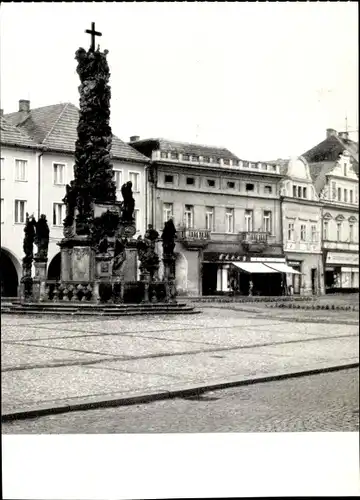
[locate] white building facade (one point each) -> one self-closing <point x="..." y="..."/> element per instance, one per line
<point x="37" y="161"/>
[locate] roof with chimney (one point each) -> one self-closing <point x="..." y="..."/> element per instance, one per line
<point x="12" y="136"/>
<point x="55" y="127"/>
<point x="323" y="157"/>
<point x="183" y="148"/>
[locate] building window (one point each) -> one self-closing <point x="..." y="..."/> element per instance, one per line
<point x="291" y="231"/>
<point x="189" y="216"/>
<point x="345" y="169"/>
<point x="194" y="158"/>
<point x="211" y="183"/>
<point x="2" y="172"/>
<point x="235" y="163"/>
<point x="58" y="214"/>
<point x="229" y="217"/>
<point x="351" y="196"/>
<point x="231" y="184"/>
<point x="267" y="223"/>
<point x="20" y="170"/>
<point x="351" y="232"/>
<point x="59" y="174"/>
<point x="2" y="210"/>
<point x="209" y="218"/>
<point x="163" y="154"/>
<point x="20" y="211"/>
<point x="326" y="230"/>
<point x="249" y="220"/>
<point x="169" y="179"/>
<point x="313" y="232"/>
<point x="345" y="196"/>
<point x="333" y="190"/>
<point x="304" y="192"/>
<point x="245" y="164"/>
<point x="174" y="156"/>
<point x="249" y="187"/>
<point x="117" y="178"/>
<point x="338" y="235"/>
<point x="339" y="194"/>
<point x="303" y="232"/>
<point x="294" y="191"/>
<point x="137" y="219"/>
<point x="134" y="178"/>
<point x="226" y="162"/>
<point x="206" y="159"/>
<point x="299" y="192"/>
<point x="167" y="212"/>
<point x="190" y="181"/>
<point x="268" y="189"/>
<point x="185" y="157"/>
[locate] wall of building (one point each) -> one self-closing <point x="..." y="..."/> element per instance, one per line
<point x="12" y="233"/>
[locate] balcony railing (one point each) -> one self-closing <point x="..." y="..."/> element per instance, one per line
<point x="194" y="234"/>
<point x="254" y="237"/>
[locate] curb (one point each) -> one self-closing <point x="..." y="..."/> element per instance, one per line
<point x="184" y="390"/>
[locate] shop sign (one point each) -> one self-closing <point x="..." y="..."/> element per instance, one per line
<point x="268" y="259"/>
<point x="294" y="262"/>
<point x="342" y="258"/>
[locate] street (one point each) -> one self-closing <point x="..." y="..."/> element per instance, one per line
<point x="318" y="403"/>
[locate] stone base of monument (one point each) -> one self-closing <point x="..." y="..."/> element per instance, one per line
<point x="90" y="309"/>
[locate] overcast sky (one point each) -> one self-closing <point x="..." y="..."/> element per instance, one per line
<point x="263" y="80"/>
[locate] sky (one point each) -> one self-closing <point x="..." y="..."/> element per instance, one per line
<point x="264" y="80"/>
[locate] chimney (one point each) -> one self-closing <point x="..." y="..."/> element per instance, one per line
<point x="134" y="138"/>
<point x="344" y="135"/>
<point x="24" y="105"/>
<point x="330" y="132"/>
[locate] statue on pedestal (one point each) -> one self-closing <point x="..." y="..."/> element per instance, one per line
<point x="128" y="205"/>
<point x="42" y="237"/>
<point x="149" y="260"/>
<point x="168" y="238"/>
<point x="29" y="238"/>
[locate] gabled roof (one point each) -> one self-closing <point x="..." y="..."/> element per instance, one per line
<point x="12" y="136"/>
<point x="55" y="127"/>
<point x="331" y="148"/>
<point x="319" y="171"/>
<point x="185" y="148"/>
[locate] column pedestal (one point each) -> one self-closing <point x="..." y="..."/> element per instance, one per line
<point x="39" y="281"/>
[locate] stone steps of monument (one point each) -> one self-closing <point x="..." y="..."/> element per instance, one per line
<point x="99" y="310"/>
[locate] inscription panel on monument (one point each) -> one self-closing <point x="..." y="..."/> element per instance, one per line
<point x="81" y="263"/>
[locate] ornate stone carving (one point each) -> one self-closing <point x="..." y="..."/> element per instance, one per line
<point x="119" y="256"/>
<point x="42" y="237"/>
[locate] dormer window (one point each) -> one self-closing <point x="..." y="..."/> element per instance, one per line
<point x="206" y="159"/>
<point x="174" y="156"/>
<point x="294" y="191"/>
<point x="185" y="157"/>
<point x="299" y="192"/>
<point x="194" y="158"/>
<point x="164" y="154"/>
<point x="226" y="162"/>
<point x="304" y="194"/>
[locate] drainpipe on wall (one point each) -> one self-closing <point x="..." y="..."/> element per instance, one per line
<point x="39" y="184"/>
<point x="282" y="225"/>
<point x="146" y="196"/>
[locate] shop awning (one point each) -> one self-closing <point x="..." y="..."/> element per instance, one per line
<point x="282" y="268"/>
<point x="254" y="267"/>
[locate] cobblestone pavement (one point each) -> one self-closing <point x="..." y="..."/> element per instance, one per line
<point x="324" y="402"/>
<point x="59" y="360"/>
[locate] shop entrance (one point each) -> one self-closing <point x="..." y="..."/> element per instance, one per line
<point x="209" y="279"/>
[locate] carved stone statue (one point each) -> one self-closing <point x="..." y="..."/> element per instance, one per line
<point x="119" y="255"/>
<point x="168" y="237"/>
<point x="42" y="237"/>
<point x="29" y="238"/>
<point x="151" y="235"/>
<point x="128" y="204"/>
<point x="149" y="260"/>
